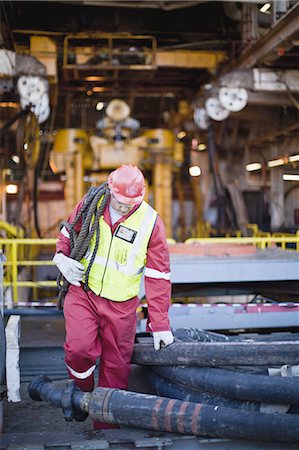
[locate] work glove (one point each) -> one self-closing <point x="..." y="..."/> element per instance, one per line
<point x="162" y="339"/>
<point x="71" y="269"/>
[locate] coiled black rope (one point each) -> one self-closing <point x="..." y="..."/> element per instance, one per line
<point x="79" y="242"/>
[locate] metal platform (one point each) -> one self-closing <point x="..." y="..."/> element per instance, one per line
<point x="235" y="316"/>
<point x="272" y="272"/>
<point x="265" y="265"/>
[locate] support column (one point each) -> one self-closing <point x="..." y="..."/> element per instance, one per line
<point x="276" y="198"/>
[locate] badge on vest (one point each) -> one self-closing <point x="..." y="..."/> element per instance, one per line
<point x="126" y="234"/>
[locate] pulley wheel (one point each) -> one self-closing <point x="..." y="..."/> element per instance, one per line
<point x="215" y="110"/>
<point x="233" y="99"/>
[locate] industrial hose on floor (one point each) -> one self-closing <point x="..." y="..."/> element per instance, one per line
<point x="221" y="402"/>
<point x="233" y="388"/>
<point x="231" y="384"/>
<point x="164" y="414"/>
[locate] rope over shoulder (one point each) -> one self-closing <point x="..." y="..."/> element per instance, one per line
<point x="79" y="242"/>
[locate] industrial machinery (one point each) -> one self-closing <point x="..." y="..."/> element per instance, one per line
<point x="78" y="157"/>
<point x="71" y="156"/>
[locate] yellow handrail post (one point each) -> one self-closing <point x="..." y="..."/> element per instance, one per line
<point x="14" y="270"/>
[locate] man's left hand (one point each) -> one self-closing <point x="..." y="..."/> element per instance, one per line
<point x="162" y="339"/>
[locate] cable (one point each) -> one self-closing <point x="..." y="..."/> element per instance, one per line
<point x="80" y="242"/>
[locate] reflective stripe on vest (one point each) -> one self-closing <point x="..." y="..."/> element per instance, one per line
<point x="120" y="262"/>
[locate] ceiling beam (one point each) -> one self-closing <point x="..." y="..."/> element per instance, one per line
<point x="281" y="32"/>
<point x="269" y="99"/>
<point x="274" y="135"/>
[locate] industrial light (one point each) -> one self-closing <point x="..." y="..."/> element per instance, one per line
<point x="201" y="147"/>
<point x="100" y="106"/>
<point x="294" y="158"/>
<point x="9" y="105"/>
<point x="276" y="162"/>
<point x="253" y="166"/>
<point x="89" y="92"/>
<point x="290" y="177"/>
<point x="194" y="171"/>
<point x="181" y="134"/>
<point x="25" y="146"/>
<point x="98" y="89"/>
<point x="94" y="78"/>
<point x="11" y="188"/>
<point x="16" y="159"/>
<point x="265" y="8"/>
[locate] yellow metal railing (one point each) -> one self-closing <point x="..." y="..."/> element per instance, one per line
<point x="261" y="242"/>
<point x="255" y="232"/>
<point x="11" y="247"/>
<point x="283" y="244"/>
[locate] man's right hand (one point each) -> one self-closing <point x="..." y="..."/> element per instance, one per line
<point x="71" y="269"/>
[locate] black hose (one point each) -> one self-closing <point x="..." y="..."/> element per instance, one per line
<point x="185" y="375"/>
<point x="163" y="414"/>
<point x="217" y="354"/>
<point x="234" y="385"/>
<point x="166" y="388"/>
<point x="198" y="335"/>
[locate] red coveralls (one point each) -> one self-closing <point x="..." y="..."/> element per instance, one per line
<point x="98" y="327"/>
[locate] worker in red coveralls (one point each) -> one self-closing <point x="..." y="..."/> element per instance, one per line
<point x="101" y="322"/>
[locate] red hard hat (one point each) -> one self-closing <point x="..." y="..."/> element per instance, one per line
<point x="127" y="184"/>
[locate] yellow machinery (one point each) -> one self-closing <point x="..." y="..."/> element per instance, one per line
<point x="71" y="154"/>
<point x="164" y="156"/>
<point x="116" y="147"/>
<point x="157" y="151"/>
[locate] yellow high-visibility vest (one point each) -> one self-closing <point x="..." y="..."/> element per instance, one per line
<point x="118" y="265"/>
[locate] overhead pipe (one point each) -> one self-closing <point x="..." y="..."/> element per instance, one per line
<point x="163" y="414"/>
<point x="235" y="13"/>
<point x="164" y="5"/>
